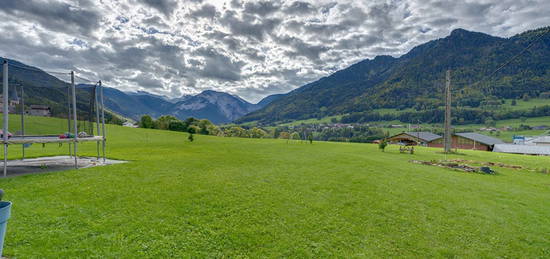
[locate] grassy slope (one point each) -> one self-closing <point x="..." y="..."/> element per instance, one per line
<point x="267" y="198"/>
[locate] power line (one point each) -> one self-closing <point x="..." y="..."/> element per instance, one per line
<point x="513" y="58"/>
<point x="38" y="70"/>
<point x="85" y="79"/>
<point x="51" y="72"/>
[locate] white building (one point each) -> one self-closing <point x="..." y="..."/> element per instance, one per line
<point x="39" y="110"/>
<point x="539" y="141"/>
<point x="522" y="149"/>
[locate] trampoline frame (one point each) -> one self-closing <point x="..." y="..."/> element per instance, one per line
<point x="44" y="139"/>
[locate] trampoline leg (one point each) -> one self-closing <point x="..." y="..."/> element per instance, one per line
<point x="5" y="160"/>
<point x="75" y="157"/>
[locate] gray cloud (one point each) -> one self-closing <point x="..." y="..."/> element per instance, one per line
<point x="205" y="11"/>
<point x="54" y="15"/>
<point x="166" y="7"/>
<point x="262" y="8"/>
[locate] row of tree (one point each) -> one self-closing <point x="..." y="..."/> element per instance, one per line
<point x="168" y="122"/>
<point x="356" y="133"/>
<point x="460" y="115"/>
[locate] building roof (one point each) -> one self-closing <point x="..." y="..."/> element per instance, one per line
<point x="483" y="139"/>
<point x="39" y="107"/>
<point x="426" y="136"/>
<point x="522" y="149"/>
<point x="541" y="139"/>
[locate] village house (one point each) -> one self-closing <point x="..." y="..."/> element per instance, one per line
<point x="39" y="110"/>
<point x="12" y="104"/>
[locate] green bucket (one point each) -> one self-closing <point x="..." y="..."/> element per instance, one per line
<point x="5" y="207"/>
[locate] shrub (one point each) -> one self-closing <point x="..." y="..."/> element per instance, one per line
<point x="382" y="145"/>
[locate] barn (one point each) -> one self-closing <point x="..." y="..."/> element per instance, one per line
<point x="414" y="138"/>
<point x="470" y="140"/>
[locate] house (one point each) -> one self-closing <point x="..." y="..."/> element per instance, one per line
<point x="522" y="149"/>
<point x="11" y="105"/>
<point x="39" y="110"/>
<point x="540" y="127"/>
<point x="470" y="140"/>
<point x="129" y="124"/>
<point x="414" y="138"/>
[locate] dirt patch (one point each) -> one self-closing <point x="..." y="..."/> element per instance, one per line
<point x="472" y="166"/>
<point x="456" y="166"/>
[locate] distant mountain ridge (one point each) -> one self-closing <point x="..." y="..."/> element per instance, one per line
<point x="218" y="107"/>
<point x="43" y="88"/>
<point x="416" y="79"/>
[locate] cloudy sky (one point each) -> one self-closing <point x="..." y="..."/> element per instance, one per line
<point x="248" y="48"/>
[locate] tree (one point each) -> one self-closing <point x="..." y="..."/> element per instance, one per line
<point x="382" y="145"/>
<point x="257" y="133"/>
<point x="522" y="119"/>
<point x="295" y="136"/>
<point x="203" y="126"/>
<point x="284" y="135"/>
<point x="193" y="129"/>
<point x="177" y="126"/>
<point x="490" y="122"/>
<point x="146" y="122"/>
<point x="526" y="97"/>
<point x="163" y="122"/>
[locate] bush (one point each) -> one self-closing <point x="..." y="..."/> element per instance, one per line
<point x="382" y="145"/>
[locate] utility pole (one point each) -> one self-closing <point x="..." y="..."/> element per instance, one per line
<point x="447" y="137"/>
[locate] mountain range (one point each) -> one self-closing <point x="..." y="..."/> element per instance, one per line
<point x="218" y="107"/>
<point x="483" y="67"/>
<point x="45" y="89"/>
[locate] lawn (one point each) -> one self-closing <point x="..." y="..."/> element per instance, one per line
<point x="233" y="197"/>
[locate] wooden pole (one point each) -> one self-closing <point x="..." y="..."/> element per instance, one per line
<point x="447" y="136"/>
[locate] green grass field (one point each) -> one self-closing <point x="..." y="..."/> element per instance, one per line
<point x="233" y="197"/>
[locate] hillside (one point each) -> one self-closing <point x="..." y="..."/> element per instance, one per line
<point x="266" y="198"/>
<point x="416" y="79"/>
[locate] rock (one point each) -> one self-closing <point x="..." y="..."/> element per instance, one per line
<point x="486" y="170"/>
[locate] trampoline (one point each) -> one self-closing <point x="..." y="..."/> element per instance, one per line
<point x="81" y="107"/>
